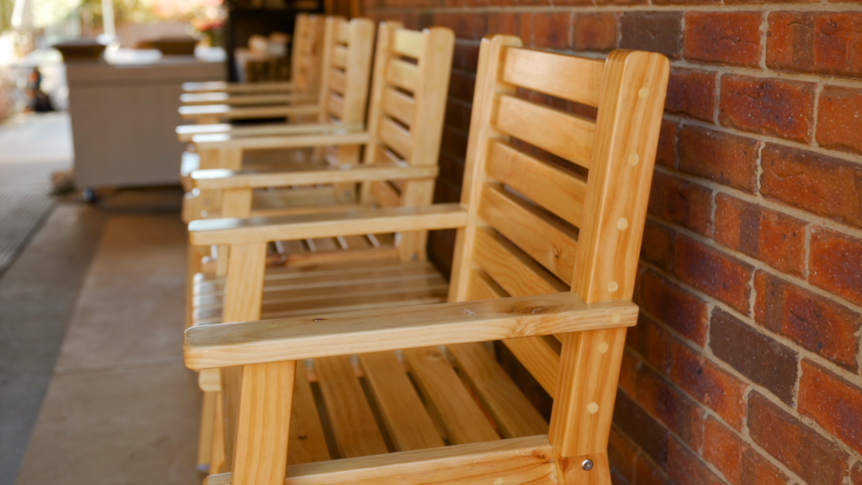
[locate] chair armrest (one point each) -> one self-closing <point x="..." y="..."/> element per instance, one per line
<point x="228" y="179"/>
<point x="217" y="141"/>
<point x="250" y="99"/>
<point x="186" y="133"/>
<point x="331" y="224"/>
<point x="244" y="343"/>
<point x="245" y="112"/>
<point x="219" y="86"/>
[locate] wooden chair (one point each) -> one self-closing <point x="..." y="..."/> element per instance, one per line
<point x="401" y="149"/>
<point x="276" y="105"/>
<point x="340" y="108"/>
<point x="306" y="64"/>
<point x="552" y="256"/>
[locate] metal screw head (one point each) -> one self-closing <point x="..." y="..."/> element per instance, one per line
<point x="587" y="465"/>
<point x="317" y="320"/>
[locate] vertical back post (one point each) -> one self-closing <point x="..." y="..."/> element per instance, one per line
<point x="629" y="119"/>
<point x="481" y="131"/>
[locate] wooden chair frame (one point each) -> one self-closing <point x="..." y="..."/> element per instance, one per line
<point x="597" y="266"/>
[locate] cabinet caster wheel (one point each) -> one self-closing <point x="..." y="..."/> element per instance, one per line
<point x="90" y="195"/>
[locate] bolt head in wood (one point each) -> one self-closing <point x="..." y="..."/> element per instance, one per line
<point x="587" y="465"/>
<point x="623" y="223"/>
<point x="634" y="159"/>
<point x="593" y="408"/>
<point x="613" y="286"/>
<point x="643" y="93"/>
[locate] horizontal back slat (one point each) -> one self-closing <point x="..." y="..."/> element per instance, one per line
<point x="395" y="137"/>
<point x="402" y="75"/>
<point x="342" y="32"/>
<point x="339" y="57"/>
<point x="408" y="43"/>
<point x="551" y="187"/>
<point x="398" y="105"/>
<point x="513" y="270"/>
<point x="546" y="241"/>
<point x="573" y="78"/>
<point x="564" y="135"/>
<point x="338" y="81"/>
<point x="335" y="105"/>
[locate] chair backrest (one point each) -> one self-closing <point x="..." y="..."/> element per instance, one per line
<point x="575" y="224"/>
<point x="307" y="52"/>
<point x="408" y="103"/>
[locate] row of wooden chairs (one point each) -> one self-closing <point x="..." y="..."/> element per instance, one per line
<point x="359" y="372"/>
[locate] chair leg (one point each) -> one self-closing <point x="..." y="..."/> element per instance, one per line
<point x="205" y="439"/>
<point x="217" y="447"/>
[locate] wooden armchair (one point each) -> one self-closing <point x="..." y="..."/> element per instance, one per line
<point x="350" y="41"/>
<point x="306" y="64"/>
<point x="552" y="255"/>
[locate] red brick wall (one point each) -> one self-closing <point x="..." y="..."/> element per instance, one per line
<point x="745" y="366"/>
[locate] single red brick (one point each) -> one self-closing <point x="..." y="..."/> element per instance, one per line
<point x="754" y="355"/>
<point x="465" y="26"/>
<point x="814" y="458"/>
<point x="832" y="402"/>
<point x="681" y="310"/>
<point x="551" y="30"/>
<point x="768" y="106"/>
<point x="692" y="92"/>
<point x="727" y="159"/>
<point x="652" y="31"/>
<point x="510" y="23"/>
<point x="686" y="2"/>
<point x="739" y="463"/>
<point x="651" y="341"/>
<point x="824" y="185"/>
<point x="594" y="32"/>
<point x="737" y="2"/>
<point x="686" y="468"/>
<point x="621" y="2"/>
<point x="682" y="202"/>
<point x="657" y="246"/>
<point x="622" y="455"/>
<point x="466" y="56"/>
<point x="723" y="37"/>
<point x="461" y="85"/>
<point x="839" y="118"/>
<point x="772" y="237"/>
<point x="712" y="271"/>
<point x="820" y="325"/>
<point x="818" y="42"/>
<point x="679" y="413"/>
<point x="708" y="384"/>
<point x="642" y="429"/>
<point x="666" y="151"/>
<point x="647" y="474"/>
<point x="628" y="373"/>
<point x="834" y="262"/>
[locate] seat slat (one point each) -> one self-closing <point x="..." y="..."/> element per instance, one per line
<point x="404" y="415"/>
<point x="513" y="270"/>
<point x="578" y="79"/>
<point x="307" y="443"/>
<point x="339" y="57"/>
<point x="402" y="75"/>
<point x="395" y="137"/>
<point x="353" y="424"/>
<point x="464" y="420"/>
<point x="562" y="134"/>
<point x="338" y="81"/>
<point x="511" y="410"/>
<point x="553" y="188"/>
<point x="408" y="43"/>
<point x="548" y="242"/>
<point x="398" y="106"/>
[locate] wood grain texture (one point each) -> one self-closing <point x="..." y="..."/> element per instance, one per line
<point x="576" y="78"/>
<point x="228" y="179"/>
<point x="394" y="328"/>
<point x="307" y="443"/>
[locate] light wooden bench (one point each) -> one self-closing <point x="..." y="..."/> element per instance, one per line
<point x="306" y="61"/>
<point x="546" y="262"/>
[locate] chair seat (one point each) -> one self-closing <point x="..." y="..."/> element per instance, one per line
<point x="371" y="404"/>
<point x="354" y="285"/>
